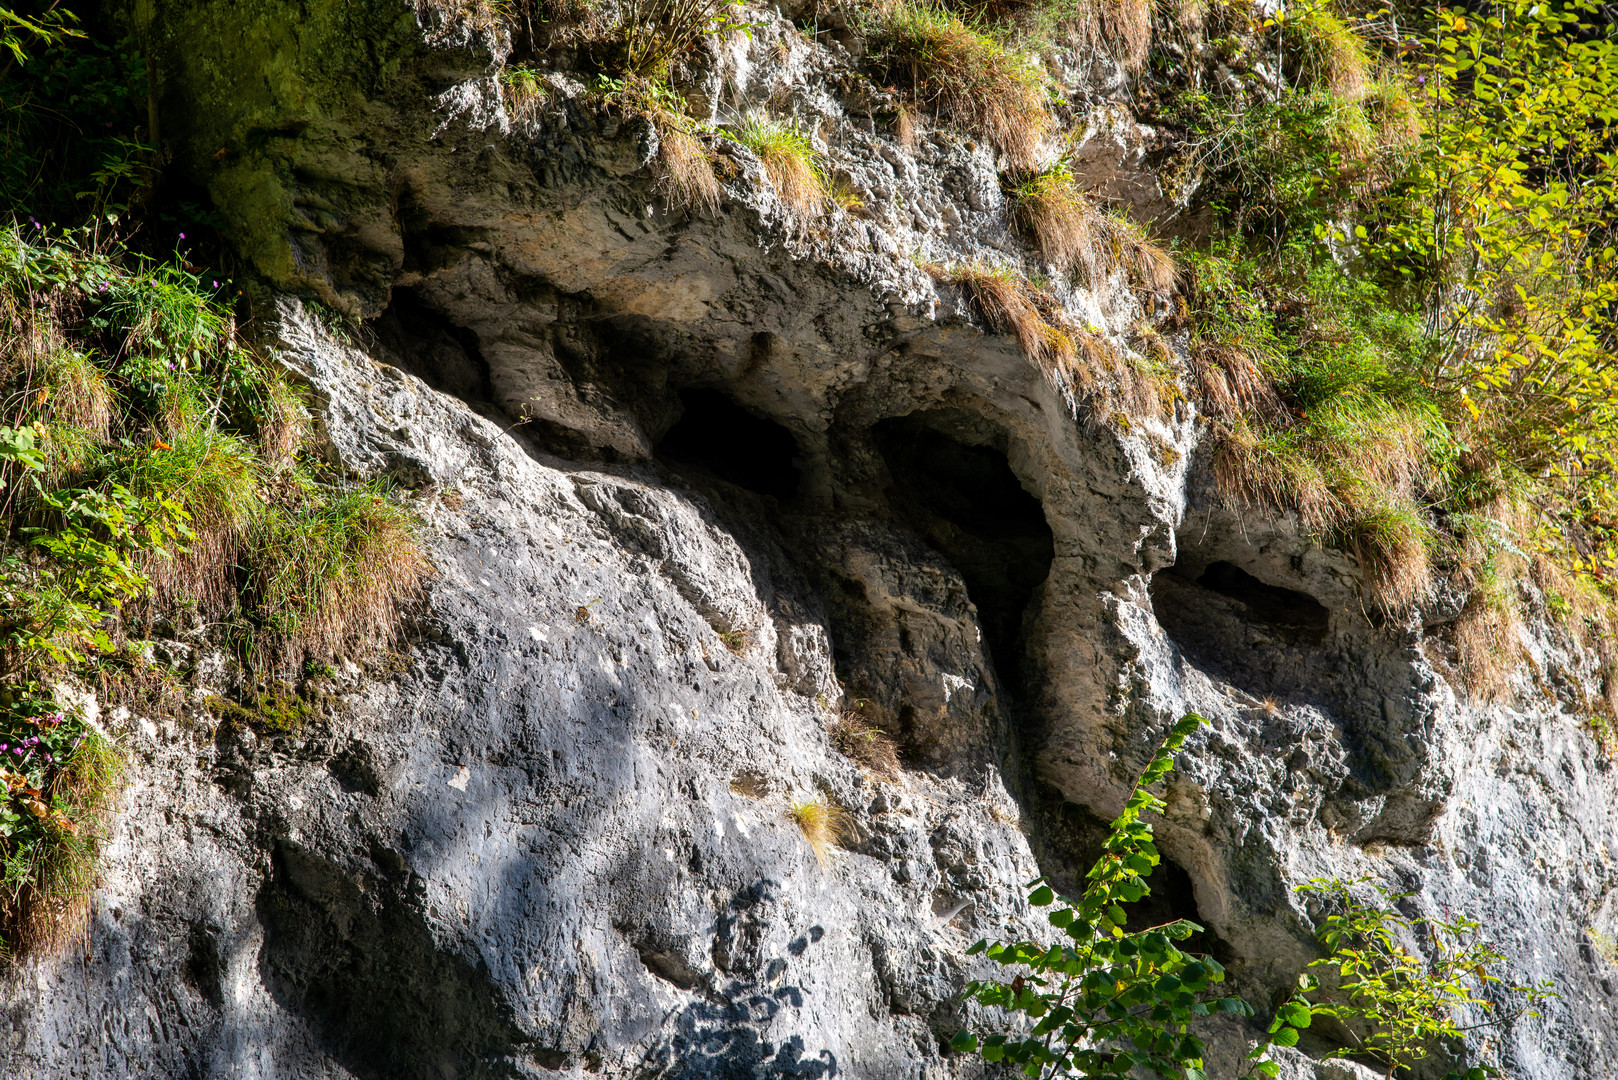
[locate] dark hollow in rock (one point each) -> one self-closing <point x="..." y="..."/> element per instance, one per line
<point x="1286" y="612"/>
<point x="361" y="965"/>
<point x="719" y="437"/>
<point x="1264" y="638"/>
<point x="433" y="349"/>
<point x="966" y="502"/>
<point x="203" y="970"/>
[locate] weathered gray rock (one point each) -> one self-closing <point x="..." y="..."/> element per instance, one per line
<point x="680" y="476"/>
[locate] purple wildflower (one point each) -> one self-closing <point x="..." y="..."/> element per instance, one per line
<point x="182" y="236"/>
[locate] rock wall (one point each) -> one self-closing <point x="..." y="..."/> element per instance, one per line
<point x="680" y="475"/>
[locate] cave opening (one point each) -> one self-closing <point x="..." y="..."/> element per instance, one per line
<point x="427" y="345"/>
<point x="968" y="504"/>
<point x="717" y="436"/>
<point x="1264" y="638"/>
<point x="1286" y="611"/>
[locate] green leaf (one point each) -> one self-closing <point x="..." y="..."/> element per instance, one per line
<point x="1286" y="1037"/>
<point x="1296" y="1013"/>
<point x="964" y="1042"/>
<point x="1042" y="896"/>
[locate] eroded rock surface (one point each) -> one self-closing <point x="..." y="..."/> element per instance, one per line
<point x="691" y="484"/>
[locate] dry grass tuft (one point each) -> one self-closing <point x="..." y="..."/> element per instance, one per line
<point x="1079" y="361"/>
<point x="215" y="476"/>
<point x="1232" y="385"/>
<point x="822" y="823"/>
<point x="72" y="390"/>
<point x="1126" y="27"/>
<point x="1151" y="266"/>
<point x="904" y="128"/>
<point x="789" y="159"/>
<point x="284" y="425"/>
<point x="1484" y="636"/>
<point x="1063" y="221"/>
<point x="862" y="742"/>
<point x="1394" y="115"/>
<point x="1005" y="301"/>
<point x="947" y="65"/>
<point x="688" y="179"/>
<point x="1252" y="469"/>
<point x="1394" y="543"/>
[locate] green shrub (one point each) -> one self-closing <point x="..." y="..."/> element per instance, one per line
<point x="1106" y="1001"/>
<point x="1399" y="982"/>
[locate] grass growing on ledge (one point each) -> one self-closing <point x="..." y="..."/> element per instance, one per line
<point x="1074" y="234"/>
<point x="789" y="159"/>
<point x="862" y="742"/>
<point x="148" y="460"/>
<point x="947" y="65"/>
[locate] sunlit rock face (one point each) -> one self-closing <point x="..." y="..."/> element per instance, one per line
<point x="692" y="484"/>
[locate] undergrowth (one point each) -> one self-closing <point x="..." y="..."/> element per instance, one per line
<point x="1402" y="330"/>
<point x="148" y="459"/>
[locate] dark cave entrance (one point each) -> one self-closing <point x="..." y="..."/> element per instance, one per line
<point x="426" y="344"/>
<point x="1259" y="636"/>
<point x="964" y="500"/>
<point x="714" y="435"/>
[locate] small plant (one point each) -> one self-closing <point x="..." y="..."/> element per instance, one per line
<point x="822" y="823"/>
<point x="1009" y="304"/>
<point x="948" y="65"/>
<point x="789" y="159"/>
<point x="735" y="640"/>
<point x="522" y="92"/>
<point x="686" y="164"/>
<point x="1063" y="221"/>
<point x="58" y="777"/>
<point x="861" y="741"/>
<point x="1107" y="1001"/>
<point x="1399" y="1004"/>
<point x="1604" y="945"/>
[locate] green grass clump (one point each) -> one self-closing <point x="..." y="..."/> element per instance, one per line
<point x="789" y="159"/>
<point x="333" y="572"/>
<point x="965" y="71"/>
<point x="1331" y="55"/>
<point x="1315" y="380"/>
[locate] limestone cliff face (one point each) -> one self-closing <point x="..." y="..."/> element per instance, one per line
<point x="680" y="475"/>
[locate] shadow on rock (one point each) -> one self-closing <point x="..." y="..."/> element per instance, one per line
<point x="354" y="957"/>
<point x="729" y="1036"/>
